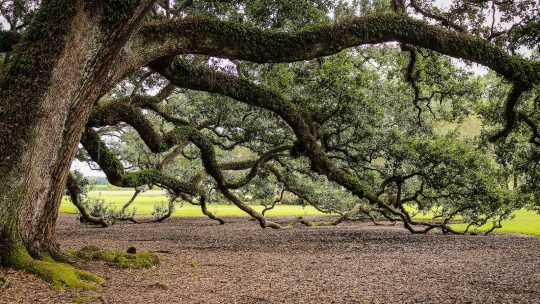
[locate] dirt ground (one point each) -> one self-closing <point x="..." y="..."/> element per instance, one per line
<point x="242" y="263"/>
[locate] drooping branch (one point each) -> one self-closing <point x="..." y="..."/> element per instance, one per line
<point x="510" y="115"/>
<point x="411" y="76"/>
<point x="118" y="111"/>
<point x="170" y="211"/>
<point x="75" y="196"/>
<point x="131" y="200"/>
<point x="307" y="141"/>
<point x="204" y="208"/>
<point x="274" y="202"/>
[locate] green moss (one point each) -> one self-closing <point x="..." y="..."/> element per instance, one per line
<point x="138" y="260"/>
<point x="79" y="299"/>
<point x="119" y="258"/>
<point x="19" y="257"/>
<point x="142" y="177"/>
<point x="65" y="276"/>
<point x="60" y="275"/>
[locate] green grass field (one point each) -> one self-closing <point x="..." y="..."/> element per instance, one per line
<point x="525" y="222"/>
<point x="144" y="205"/>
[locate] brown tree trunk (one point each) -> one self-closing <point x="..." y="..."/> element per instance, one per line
<point x="60" y="69"/>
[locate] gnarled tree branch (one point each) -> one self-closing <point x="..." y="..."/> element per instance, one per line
<point x="195" y="35"/>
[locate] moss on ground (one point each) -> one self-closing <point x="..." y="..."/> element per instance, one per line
<point x="63" y="276"/>
<point x="119" y="258"/>
<point x="60" y="275"/>
<point x="78" y="299"/>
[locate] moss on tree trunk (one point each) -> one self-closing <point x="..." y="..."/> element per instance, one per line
<point x="58" y="70"/>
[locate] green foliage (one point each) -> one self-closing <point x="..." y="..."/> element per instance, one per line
<point x="161" y="209"/>
<point x="281" y="14"/>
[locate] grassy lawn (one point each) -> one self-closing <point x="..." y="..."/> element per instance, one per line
<point x="525" y="222"/>
<point x="144" y="205"/>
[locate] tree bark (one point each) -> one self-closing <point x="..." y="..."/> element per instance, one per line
<point x="61" y="67"/>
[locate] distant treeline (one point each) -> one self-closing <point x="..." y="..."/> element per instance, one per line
<point x="98" y="180"/>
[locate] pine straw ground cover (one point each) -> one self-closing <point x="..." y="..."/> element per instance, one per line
<point x="239" y="262"/>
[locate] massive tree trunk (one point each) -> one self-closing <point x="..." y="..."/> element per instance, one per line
<point x="59" y="69"/>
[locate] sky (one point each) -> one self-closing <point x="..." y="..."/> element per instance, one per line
<point x="85" y="169"/>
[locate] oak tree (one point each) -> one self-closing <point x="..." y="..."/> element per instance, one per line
<point x="64" y="65"/>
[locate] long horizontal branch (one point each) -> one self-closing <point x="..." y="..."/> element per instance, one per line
<point x="197" y="35"/>
<point x="207" y="80"/>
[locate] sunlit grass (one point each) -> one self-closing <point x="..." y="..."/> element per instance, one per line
<point x="525" y="222"/>
<point x="144" y="205"/>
